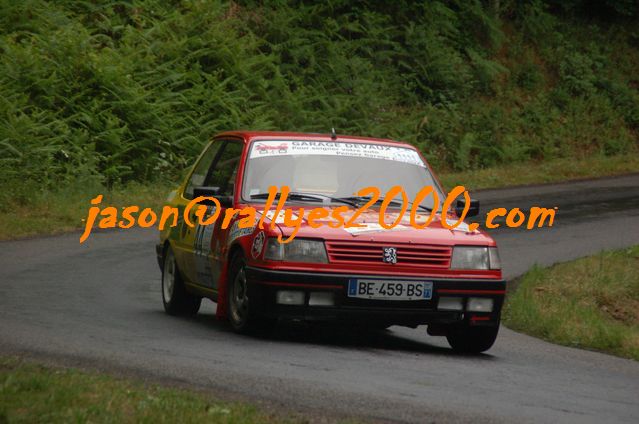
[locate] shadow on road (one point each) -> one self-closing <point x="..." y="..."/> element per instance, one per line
<point x="344" y="336"/>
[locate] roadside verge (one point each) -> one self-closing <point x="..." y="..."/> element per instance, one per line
<point x="590" y="303"/>
<point x="30" y="392"/>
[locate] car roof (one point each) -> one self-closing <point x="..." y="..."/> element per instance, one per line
<point x="276" y="135"/>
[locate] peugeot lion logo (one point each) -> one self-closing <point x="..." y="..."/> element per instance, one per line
<point x="390" y="255"/>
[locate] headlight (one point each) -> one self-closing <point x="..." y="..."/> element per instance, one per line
<point x="469" y="258"/>
<point x="298" y="250"/>
<point x="493" y="254"/>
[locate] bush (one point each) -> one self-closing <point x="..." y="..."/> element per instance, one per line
<point x="131" y="90"/>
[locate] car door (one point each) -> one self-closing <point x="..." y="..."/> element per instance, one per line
<point x="185" y="236"/>
<point x="209" y="246"/>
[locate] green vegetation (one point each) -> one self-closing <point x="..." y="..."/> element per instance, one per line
<point x="591" y="303"/>
<point x="33" y="393"/>
<point x="102" y="94"/>
<point x="549" y="171"/>
<point x="62" y="210"/>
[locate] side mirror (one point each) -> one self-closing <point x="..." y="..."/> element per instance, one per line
<point x="225" y="201"/>
<point x="473" y="210"/>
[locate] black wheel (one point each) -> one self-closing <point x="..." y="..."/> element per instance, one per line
<point x="466" y="339"/>
<point x="242" y="315"/>
<point x="176" y="300"/>
<point x="380" y="326"/>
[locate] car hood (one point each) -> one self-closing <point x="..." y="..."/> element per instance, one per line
<point x="371" y="231"/>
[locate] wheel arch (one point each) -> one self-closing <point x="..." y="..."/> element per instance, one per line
<point x="222" y="306"/>
<point x="165" y="246"/>
<point x="235" y="248"/>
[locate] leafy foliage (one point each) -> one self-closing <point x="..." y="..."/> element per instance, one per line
<point x="130" y="90"/>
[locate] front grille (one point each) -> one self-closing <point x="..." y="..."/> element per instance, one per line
<point x="414" y="255"/>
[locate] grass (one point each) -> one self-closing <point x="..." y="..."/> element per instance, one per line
<point x="591" y="303"/>
<point x="552" y="171"/>
<point x="34" y="393"/>
<point x="49" y="213"/>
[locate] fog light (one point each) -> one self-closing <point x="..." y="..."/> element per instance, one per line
<point x="450" y="304"/>
<point x="288" y="297"/>
<point x="321" y="299"/>
<point x="480" y="304"/>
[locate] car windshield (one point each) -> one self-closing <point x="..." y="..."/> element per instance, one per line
<point x="333" y="170"/>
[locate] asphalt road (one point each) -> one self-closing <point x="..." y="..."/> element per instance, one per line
<point x="98" y="305"/>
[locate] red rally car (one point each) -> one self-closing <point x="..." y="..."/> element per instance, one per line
<point x="448" y="279"/>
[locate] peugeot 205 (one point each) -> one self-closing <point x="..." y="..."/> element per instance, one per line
<point x="447" y="279"/>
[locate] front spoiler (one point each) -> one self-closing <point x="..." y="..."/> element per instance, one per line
<point x="264" y="283"/>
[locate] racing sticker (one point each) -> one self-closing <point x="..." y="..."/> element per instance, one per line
<point x="359" y="150"/>
<point x="236" y="232"/>
<point x="258" y="244"/>
<point x="202" y="249"/>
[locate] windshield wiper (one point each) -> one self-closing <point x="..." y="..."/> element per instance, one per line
<point x="359" y="199"/>
<point x="354" y="201"/>
<point x="309" y="197"/>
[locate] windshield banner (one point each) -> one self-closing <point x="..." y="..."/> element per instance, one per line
<point x="361" y="150"/>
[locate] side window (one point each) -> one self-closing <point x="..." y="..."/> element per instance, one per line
<point x="202" y="167"/>
<point x="224" y="170"/>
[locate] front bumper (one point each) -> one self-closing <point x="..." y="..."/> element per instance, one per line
<point x="264" y="284"/>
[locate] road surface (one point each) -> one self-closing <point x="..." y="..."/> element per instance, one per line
<point x="98" y="305"/>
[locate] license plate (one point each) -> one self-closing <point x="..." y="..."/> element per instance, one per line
<point x="390" y="289"/>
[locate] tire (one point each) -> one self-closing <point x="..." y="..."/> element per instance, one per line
<point x="242" y="316"/>
<point x="176" y="300"/>
<point x="466" y="339"/>
<point x="380" y="327"/>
